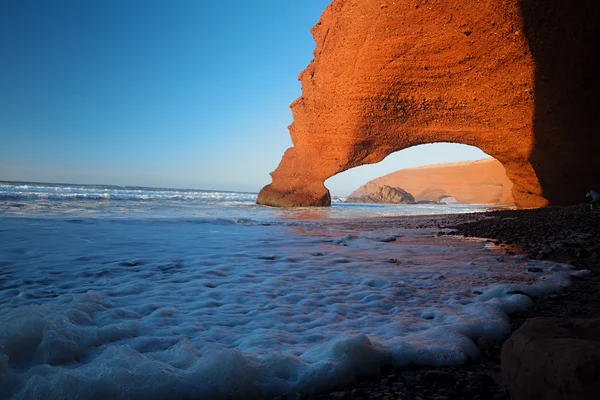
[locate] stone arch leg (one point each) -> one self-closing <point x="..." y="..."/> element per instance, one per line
<point x="293" y="184"/>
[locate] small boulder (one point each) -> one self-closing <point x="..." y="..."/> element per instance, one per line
<point x="445" y="199"/>
<point x="383" y="194"/>
<point x="553" y="359"/>
<point x="441" y="378"/>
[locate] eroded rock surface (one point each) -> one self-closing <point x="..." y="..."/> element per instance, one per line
<point x="383" y="194"/>
<point x="553" y="359"/>
<point x="516" y="78"/>
<point x="469" y="182"/>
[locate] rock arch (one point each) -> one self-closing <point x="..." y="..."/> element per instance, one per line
<point x="388" y="75"/>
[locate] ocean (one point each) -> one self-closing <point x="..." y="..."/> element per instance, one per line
<point x="144" y="293"/>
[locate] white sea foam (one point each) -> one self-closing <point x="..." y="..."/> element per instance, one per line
<point x="96" y="308"/>
<point x="64" y="194"/>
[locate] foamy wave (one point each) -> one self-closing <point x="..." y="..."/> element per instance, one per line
<point x="124" y="196"/>
<point x="253" y="222"/>
<point x="215" y="311"/>
<point x="67" y="193"/>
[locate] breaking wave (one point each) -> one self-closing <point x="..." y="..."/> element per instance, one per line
<point x="16" y="191"/>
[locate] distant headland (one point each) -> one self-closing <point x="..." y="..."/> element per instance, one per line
<point x="466" y="182"/>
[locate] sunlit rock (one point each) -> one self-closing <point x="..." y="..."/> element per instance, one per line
<point x="383" y="194"/>
<point x="513" y="78"/>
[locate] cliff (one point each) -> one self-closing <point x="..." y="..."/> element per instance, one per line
<point x="470" y="182"/>
<point x="516" y="78"/>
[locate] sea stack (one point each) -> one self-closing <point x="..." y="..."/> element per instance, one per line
<point x="382" y="194"/>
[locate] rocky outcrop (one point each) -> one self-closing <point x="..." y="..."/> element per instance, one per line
<point x="383" y="194"/>
<point x="515" y="78"/>
<point x="469" y="182"/>
<point x="553" y="359"/>
<point x="448" y="200"/>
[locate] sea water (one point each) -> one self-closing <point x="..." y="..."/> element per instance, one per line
<point x="139" y="293"/>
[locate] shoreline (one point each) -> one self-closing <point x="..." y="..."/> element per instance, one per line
<point x="564" y="234"/>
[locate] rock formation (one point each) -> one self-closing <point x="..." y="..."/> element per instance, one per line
<point x="553" y="358"/>
<point x="470" y="182"/>
<point x="516" y="78"/>
<point x="382" y="194"/>
<point x="447" y="200"/>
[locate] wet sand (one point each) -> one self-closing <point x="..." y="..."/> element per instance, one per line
<point x="568" y="235"/>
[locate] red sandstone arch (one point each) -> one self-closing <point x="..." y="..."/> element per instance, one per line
<point x="388" y="75"/>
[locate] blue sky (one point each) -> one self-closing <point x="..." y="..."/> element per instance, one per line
<point x="186" y="93"/>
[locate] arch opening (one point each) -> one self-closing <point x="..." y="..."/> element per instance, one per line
<point x="427" y="173"/>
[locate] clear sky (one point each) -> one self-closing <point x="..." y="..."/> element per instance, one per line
<point x="186" y="93"/>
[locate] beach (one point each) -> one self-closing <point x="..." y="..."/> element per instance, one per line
<point x="421" y="232"/>
<point x="165" y="293"/>
<point x="563" y="234"/>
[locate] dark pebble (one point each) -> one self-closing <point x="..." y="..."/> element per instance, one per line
<point x="440" y="378"/>
<point x="502" y="395"/>
<point x="583" y="253"/>
<point x="339" y="395"/>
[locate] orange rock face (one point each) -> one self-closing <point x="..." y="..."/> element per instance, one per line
<point x="469" y="182"/>
<point x="516" y="78"/>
